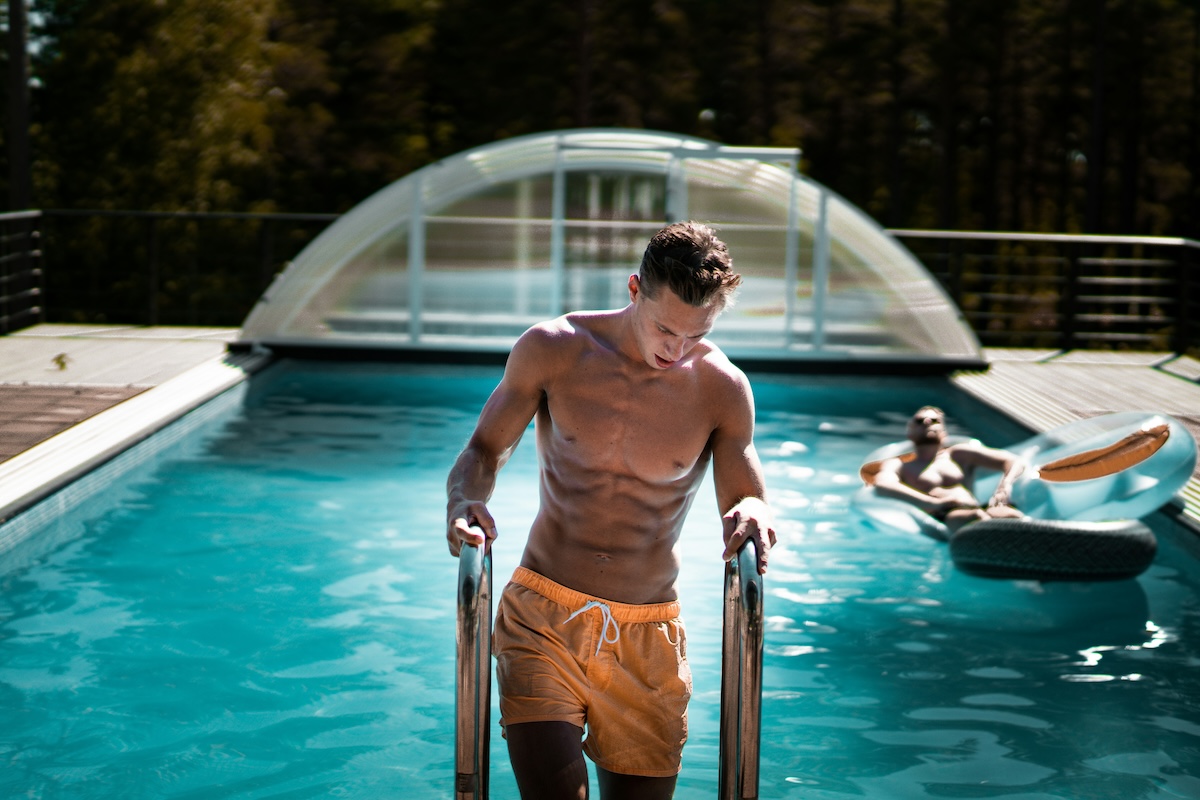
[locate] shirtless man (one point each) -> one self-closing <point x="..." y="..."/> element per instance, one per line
<point x="937" y="478"/>
<point x="630" y="407"/>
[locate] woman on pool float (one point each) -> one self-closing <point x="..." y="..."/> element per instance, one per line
<point x="935" y="477"/>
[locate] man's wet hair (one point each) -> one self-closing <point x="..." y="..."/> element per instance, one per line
<point x="689" y="259"/>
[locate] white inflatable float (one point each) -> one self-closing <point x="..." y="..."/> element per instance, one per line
<point x="1084" y="487"/>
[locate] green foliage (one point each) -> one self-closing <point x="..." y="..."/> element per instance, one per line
<point x="1034" y="115"/>
<point x="227" y="104"/>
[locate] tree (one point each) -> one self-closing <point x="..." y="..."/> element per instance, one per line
<point x="1033" y="115"/>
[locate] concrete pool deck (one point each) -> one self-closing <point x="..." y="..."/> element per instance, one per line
<point x="71" y="396"/>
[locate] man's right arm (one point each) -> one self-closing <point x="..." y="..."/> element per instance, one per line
<point x="501" y="424"/>
<point x="888" y="483"/>
<point x="1007" y="464"/>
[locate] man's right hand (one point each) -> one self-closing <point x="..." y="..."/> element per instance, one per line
<point x="469" y="524"/>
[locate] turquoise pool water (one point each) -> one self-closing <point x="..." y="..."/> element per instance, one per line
<point x="258" y="603"/>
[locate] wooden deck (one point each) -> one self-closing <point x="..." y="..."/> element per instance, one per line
<point x="53" y="377"/>
<point x="62" y="387"/>
<point x="73" y="397"/>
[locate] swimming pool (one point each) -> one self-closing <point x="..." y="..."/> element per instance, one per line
<point x="258" y="602"/>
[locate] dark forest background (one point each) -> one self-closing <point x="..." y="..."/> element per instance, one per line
<point x="1035" y="115"/>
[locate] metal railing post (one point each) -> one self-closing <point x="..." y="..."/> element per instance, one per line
<point x="741" y="676"/>
<point x="5" y="312"/>
<point x="1069" y="306"/>
<point x="1185" y="287"/>
<point x="558" y="233"/>
<point x="39" y="275"/>
<point x="954" y="276"/>
<point x="791" y="263"/>
<point x="473" y="685"/>
<point x="822" y="253"/>
<point x="416" y="259"/>
<point x="22" y="286"/>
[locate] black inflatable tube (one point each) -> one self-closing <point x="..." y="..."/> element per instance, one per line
<point x="1054" y="550"/>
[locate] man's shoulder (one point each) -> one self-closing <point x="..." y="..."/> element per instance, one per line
<point x="555" y="343"/>
<point x="722" y="382"/>
<point x="589" y="323"/>
<point x="965" y="447"/>
<point x="566" y="330"/>
<point x="718" y="367"/>
<point x="973" y="451"/>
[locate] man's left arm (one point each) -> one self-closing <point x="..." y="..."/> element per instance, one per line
<point x="738" y="475"/>
<point x="1002" y="461"/>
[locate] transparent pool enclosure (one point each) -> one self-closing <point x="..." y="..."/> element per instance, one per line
<point x="465" y="254"/>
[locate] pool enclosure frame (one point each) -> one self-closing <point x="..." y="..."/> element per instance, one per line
<point x="372" y="283"/>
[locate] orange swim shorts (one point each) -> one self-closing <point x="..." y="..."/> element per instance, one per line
<point x="617" y="670"/>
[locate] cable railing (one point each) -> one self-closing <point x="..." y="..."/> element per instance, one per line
<point x="1069" y="291"/>
<point x="21" y="276"/>
<point x="741" y="676"/>
<point x="165" y="268"/>
<point x="1060" y="291"/>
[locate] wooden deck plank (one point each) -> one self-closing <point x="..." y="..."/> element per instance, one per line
<point x="32" y="414"/>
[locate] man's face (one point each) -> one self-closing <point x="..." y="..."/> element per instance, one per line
<point x="927" y="425"/>
<point x="666" y="327"/>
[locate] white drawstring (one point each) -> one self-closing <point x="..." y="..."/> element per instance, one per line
<point x="606" y="613"/>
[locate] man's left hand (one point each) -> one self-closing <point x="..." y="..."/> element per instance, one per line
<point x="750" y="518"/>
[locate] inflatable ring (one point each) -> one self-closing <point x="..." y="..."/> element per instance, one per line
<point x="1054" y="550"/>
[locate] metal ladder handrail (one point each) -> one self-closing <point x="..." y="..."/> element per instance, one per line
<point x="473" y="686"/>
<point x="741" y="676"/>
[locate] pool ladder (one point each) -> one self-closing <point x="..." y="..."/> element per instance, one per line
<point x="741" y="676"/>
<point x="473" y="685"/>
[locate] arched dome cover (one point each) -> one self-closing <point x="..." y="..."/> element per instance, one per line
<point x="466" y="253"/>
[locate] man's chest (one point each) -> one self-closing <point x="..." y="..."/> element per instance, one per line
<point x="942" y="471"/>
<point x="654" y="431"/>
